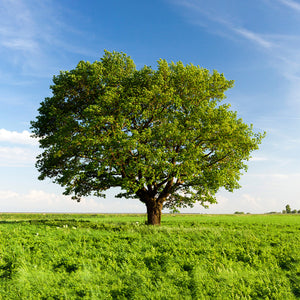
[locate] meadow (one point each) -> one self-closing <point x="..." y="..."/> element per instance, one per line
<point x="74" y="256"/>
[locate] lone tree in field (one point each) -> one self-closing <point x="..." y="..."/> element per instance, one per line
<point x="163" y="136"/>
<point x="288" y="209"/>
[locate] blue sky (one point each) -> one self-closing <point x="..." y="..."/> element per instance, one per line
<point x="256" y="43"/>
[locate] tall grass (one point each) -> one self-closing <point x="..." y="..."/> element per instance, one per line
<point x="118" y="257"/>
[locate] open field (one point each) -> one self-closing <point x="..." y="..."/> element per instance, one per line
<point x="67" y="256"/>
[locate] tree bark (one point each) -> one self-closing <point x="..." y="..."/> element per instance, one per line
<point x="154" y="209"/>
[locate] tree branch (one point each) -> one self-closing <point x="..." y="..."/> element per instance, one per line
<point x="218" y="160"/>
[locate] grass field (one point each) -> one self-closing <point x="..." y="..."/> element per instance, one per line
<point x="64" y="256"/>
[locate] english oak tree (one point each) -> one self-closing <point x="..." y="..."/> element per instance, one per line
<point x="161" y="135"/>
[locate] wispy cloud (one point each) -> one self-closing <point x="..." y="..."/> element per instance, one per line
<point x="221" y="21"/>
<point x="18" y="28"/>
<point x="253" y="37"/>
<point x="34" y="36"/>
<point x="290" y="3"/>
<point x="20" y="44"/>
<point x="281" y="49"/>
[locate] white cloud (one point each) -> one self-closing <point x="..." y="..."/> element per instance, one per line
<point x="283" y="178"/>
<point x="249" y="202"/>
<point x="41" y="201"/>
<point x="258" y="158"/>
<point x="260" y="193"/>
<point x="15" y="137"/>
<point x="6" y="195"/>
<point x="17" y="156"/>
<point x="33" y="201"/>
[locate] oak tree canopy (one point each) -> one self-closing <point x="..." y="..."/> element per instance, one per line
<point x="164" y="135"/>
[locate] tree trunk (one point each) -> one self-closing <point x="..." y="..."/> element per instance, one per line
<point x="154" y="209"/>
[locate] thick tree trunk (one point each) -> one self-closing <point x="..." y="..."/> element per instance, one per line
<point x="154" y="209"/>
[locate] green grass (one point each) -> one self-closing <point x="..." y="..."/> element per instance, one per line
<point x="118" y="257"/>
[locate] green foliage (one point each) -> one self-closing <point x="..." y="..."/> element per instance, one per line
<point x="163" y="136"/>
<point x="288" y="210"/>
<point x="117" y="257"/>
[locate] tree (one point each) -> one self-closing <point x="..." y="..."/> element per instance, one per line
<point x="161" y="135"/>
<point x="288" y="209"/>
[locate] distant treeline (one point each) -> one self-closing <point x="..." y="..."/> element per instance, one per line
<point x="288" y="210"/>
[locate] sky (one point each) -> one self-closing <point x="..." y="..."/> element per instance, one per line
<point x="256" y="43"/>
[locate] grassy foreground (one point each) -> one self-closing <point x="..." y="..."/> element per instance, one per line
<point x="118" y="257"/>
